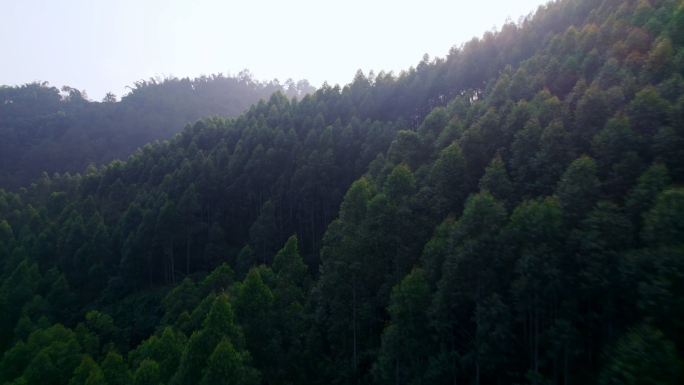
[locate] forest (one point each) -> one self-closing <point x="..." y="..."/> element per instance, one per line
<point x="508" y="214"/>
<point x="47" y="129"/>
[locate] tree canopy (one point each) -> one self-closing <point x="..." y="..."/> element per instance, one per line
<point x="508" y="214"/>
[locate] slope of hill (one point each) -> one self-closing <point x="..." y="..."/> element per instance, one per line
<point x="43" y="130"/>
<point x="508" y="214"/>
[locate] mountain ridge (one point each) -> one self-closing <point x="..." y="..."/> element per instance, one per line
<point x="508" y="214"/>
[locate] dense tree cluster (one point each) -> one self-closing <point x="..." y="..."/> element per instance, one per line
<point x="45" y="130"/>
<point x="509" y="214"/>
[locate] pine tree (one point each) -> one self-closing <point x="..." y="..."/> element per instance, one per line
<point x="227" y="366"/>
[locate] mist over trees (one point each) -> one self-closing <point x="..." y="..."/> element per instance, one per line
<point x="45" y="129"/>
<point x="509" y="214"/>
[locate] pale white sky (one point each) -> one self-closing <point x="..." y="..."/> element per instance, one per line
<point x="103" y="46"/>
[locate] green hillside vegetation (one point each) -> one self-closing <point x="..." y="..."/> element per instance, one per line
<point x="45" y="130"/>
<point x="510" y="214"/>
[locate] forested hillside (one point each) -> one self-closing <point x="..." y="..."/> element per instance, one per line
<point x="509" y="214"/>
<point x="45" y="130"/>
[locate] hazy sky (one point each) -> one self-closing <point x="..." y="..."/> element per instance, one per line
<point x="103" y="46"/>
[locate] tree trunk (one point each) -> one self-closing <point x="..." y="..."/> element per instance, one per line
<point x="173" y="271"/>
<point x="313" y="235"/>
<point x="536" y="341"/>
<point x="301" y="228"/>
<point x="565" y="366"/>
<point x="354" y="316"/>
<point x="477" y="332"/>
<point x="187" y="255"/>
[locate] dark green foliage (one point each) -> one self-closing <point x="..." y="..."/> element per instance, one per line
<point x="663" y="225"/>
<point x="472" y="268"/>
<point x="650" y="184"/>
<point x="227" y="366"/>
<point x="616" y="151"/>
<point x="451" y="181"/>
<point x="519" y="221"/>
<point x="115" y="370"/>
<point x="218" y="324"/>
<point x="659" y="266"/>
<point x="50" y="356"/>
<point x="183" y="298"/>
<point x="496" y="180"/>
<point x="88" y="372"/>
<point x="642" y="356"/>
<point x="291" y="273"/>
<point x="263" y="233"/>
<point x="217" y="252"/>
<point x="147" y="373"/>
<point x="648" y="112"/>
<point x="165" y="351"/>
<point x="254" y="310"/>
<point x="101" y="325"/>
<point x="220" y="280"/>
<point x="245" y="260"/>
<point x="579" y="189"/>
<point x="406" y="344"/>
